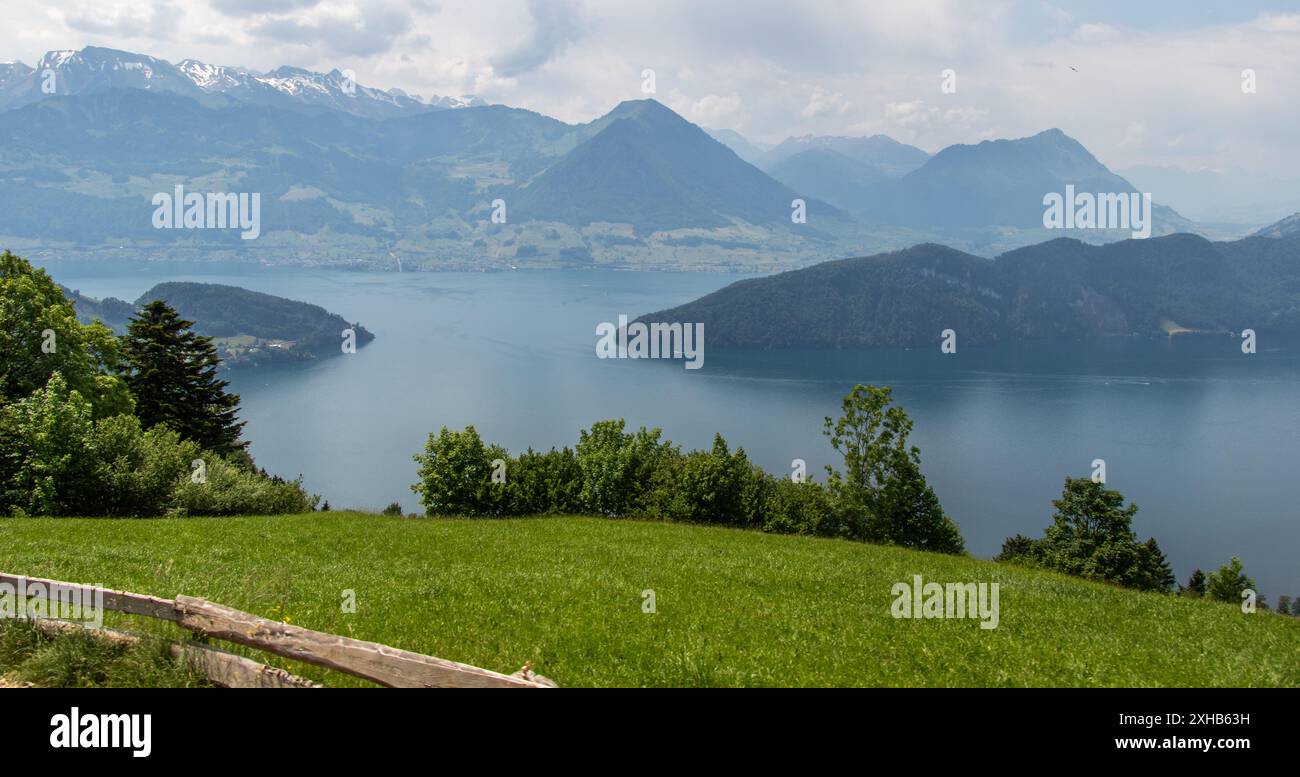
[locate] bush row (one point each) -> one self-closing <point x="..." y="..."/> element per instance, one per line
<point x="55" y="459"/>
<point x="616" y="473"/>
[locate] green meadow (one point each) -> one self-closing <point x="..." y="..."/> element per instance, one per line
<point x="732" y="608"/>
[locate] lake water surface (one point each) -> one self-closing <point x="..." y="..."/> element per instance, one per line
<point x="1204" y="439"/>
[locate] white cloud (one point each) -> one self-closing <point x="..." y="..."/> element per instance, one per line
<point x="822" y="104"/>
<point x="710" y="110"/>
<point x="556" y="24"/>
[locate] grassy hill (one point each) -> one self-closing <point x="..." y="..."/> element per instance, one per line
<point x="733" y="607"/>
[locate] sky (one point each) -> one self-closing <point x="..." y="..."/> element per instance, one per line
<point x="1157" y="82"/>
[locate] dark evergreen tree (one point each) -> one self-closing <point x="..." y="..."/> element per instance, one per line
<point x="1195" y="584"/>
<point x="173" y="376"/>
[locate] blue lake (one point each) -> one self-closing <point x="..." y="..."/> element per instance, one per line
<point x="1202" y="437"/>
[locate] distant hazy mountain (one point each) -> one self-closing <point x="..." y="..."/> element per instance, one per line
<point x="999" y="183"/>
<point x="1062" y="288"/>
<point x="651" y="168"/>
<point x="11" y="75"/>
<point x="829" y="175"/>
<point x="1288" y="227"/>
<point x="746" y="149"/>
<point x="842" y="171"/>
<point x="891" y="158"/>
<point x="1227" y="196"/>
<point x="93" y="69"/>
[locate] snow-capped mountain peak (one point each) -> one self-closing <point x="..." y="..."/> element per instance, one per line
<point x="95" y="69"/>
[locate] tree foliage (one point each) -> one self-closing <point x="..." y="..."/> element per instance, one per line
<point x="456" y="475"/>
<point x="1226" y="583"/>
<point x="40" y="336"/>
<point x="881" y="486"/>
<point x="173" y="376"/>
<point x="617" y="473"/>
<point x="70" y="441"/>
<point x="1091" y="536"/>
<point x="1195" y="584"/>
<point x="56" y="459"/>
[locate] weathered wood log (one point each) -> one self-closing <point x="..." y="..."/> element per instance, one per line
<point x="383" y="664"/>
<point x="225" y="669"/>
<point x="233" y="671"/>
<point x="117" y="601"/>
<point x="527" y="673"/>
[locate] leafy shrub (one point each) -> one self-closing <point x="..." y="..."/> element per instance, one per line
<point x="229" y="489"/>
<point x="618" y="469"/>
<point x="46" y="456"/>
<point x="456" y="475"/>
<point x="882" y="497"/>
<point x="547" y="483"/>
<point x="394" y="508"/>
<point x="54" y="460"/>
<point x="137" y="472"/>
<point x="800" y="508"/>
<point x="712" y="487"/>
<point x="1019" y="549"/>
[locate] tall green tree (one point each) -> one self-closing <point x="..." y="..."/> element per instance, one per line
<point x="173" y="376"/>
<point x="1195" y="584"/>
<point x="1092" y="536"/>
<point x="882" y="488"/>
<point x="40" y="335"/>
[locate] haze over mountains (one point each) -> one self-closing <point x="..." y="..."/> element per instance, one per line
<point x="1219" y="196"/>
<point x="1288" y="227"/>
<point x="349" y="174"/>
<point x="963" y="187"/>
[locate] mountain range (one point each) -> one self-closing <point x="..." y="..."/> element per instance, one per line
<point x="961" y="188"/>
<point x="93" y="70"/>
<point x="350" y="175"/>
<point x="1063" y="288"/>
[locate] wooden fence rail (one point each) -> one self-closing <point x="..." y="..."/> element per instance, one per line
<point x="382" y="664"/>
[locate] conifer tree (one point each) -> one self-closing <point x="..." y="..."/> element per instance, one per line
<point x="173" y="376"/>
<point x="1195" y="584"/>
